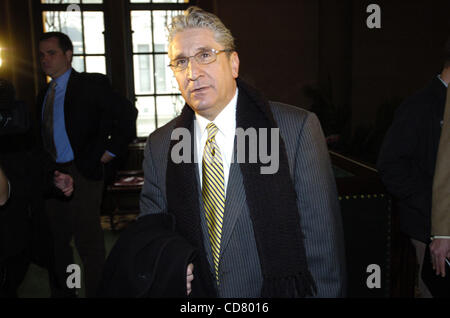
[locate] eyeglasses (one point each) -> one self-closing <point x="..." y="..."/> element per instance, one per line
<point x="202" y="57"/>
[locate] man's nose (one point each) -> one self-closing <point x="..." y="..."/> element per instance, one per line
<point x="44" y="58"/>
<point x="193" y="69"/>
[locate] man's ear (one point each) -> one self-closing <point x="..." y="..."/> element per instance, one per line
<point x="69" y="56"/>
<point x="234" y="60"/>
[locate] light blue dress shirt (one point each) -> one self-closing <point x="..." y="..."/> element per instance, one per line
<point x="64" y="151"/>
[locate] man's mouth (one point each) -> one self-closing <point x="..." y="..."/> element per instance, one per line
<point x="199" y="90"/>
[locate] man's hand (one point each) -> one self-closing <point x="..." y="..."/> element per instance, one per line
<point x="440" y="249"/>
<point x="189" y="278"/>
<point x="63" y="182"/>
<point x="106" y="158"/>
<point x="4" y="187"/>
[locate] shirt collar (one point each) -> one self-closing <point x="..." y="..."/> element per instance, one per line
<point x="440" y="78"/>
<point x="62" y="80"/>
<point x="225" y="121"/>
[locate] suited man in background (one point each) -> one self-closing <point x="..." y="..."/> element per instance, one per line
<point x="407" y="163"/>
<point x="440" y="207"/>
<point x="276" y="234"/>
<point x="83" y="127"/>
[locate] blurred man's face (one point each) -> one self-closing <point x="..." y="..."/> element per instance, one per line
<point x="207" y="89"/>
<point x="54" y="61"/>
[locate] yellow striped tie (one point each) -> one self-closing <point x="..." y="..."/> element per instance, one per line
<point x="213" y="193"/>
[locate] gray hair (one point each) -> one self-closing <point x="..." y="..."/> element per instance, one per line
<point x="194" y="17"/>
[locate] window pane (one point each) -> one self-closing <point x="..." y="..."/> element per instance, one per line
<point x="141" y="24"/>
<point x="93" y="35"/>
<point x="146" y="117"/>
<point x="168" y="108"/>
<point x="68" y="23"/>
<point x="165" y="1"/>
<point x="95" y="64"/>
<point x="71" y="1"/>
<point x="161" y="19"/>
<point x="165" y="81"/>
<point x="60" y="1"/>
<point x="151" y="72"/>
<point x="159" y="1"/>
<point x="78" y="63"/>
<point x="143" y="74"/>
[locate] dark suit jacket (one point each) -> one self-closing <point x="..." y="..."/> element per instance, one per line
<point x="408" y="156"/>
<point x="96" y="118"/>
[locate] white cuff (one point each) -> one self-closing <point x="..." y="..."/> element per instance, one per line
<point x="440" y="237"/>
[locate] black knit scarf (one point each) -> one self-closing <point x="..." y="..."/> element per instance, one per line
<point x="272" y="203"/>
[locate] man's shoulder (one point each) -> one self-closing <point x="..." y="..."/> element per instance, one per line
<point x="286" y="109"/>
<point x="418" y="99"/>
<point x="285" y="114"/>
<point x="421" y="100"/>
<point x="92" y="77"/>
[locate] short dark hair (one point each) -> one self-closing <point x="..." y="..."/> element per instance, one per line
<point x="63" y="40"/>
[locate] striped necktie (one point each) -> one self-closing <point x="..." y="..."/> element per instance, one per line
<point x="47" y="122"/>
<point x="213" y="193"/>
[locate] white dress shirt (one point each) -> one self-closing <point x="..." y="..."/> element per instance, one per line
<point x="226" y="124"/>
<point x="440" y="78"/>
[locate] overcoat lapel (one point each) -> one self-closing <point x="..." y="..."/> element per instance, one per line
<point x="234" y="202"/>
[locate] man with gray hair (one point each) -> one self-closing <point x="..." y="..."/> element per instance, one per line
<point x="254" y="234"/>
